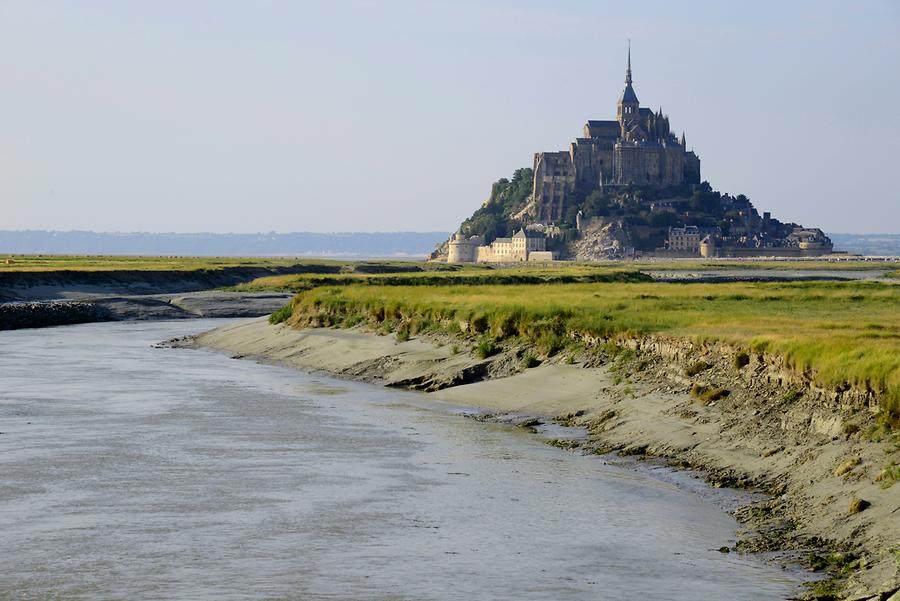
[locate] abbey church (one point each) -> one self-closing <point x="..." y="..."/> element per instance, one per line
<point x="638" y="147"/>
<point x="629" y="187"/>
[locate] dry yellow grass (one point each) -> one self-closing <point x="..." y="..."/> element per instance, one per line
<point x="846" y="467"/>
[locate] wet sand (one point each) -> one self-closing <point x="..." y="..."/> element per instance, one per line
<point x="745" y="439"/>
<point x="138" y="472"/>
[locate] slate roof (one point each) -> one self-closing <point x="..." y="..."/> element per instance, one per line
<point x="628" y="94"/>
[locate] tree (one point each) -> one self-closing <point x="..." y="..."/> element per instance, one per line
<point x="724" y="227"/>
<point x="492" y="219"/>
<point x="664" y="219"/>
<point x="597" y="204"/>
<point x="706" y="200"/>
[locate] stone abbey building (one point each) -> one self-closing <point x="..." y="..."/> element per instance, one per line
<point x="638" y="147"/>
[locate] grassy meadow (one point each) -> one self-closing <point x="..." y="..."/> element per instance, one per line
<point x="438" y="274"/>
<point x="841" y="331"/>
<point x="777" y="264"/>
<point x="453" y="276"/>
<point x="45" y="263"/>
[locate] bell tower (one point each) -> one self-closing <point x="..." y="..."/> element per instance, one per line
<point x="628" y="106"/>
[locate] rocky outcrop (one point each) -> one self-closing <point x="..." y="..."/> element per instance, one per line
<point x="602" y="240"/>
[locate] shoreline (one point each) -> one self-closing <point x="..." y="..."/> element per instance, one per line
<point x="639" y="404"/>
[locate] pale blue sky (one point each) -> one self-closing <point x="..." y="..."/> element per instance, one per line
<point x="190" y="115"/>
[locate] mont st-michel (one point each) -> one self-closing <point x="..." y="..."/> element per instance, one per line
<point x="231" y="368"/>
<point x="629" y="187"/>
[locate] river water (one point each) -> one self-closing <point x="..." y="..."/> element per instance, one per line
<point x="133" y="472"/>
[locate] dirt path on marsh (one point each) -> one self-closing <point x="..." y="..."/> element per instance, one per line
<point x="821" y="455"/>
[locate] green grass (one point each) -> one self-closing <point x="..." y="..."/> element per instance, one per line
<point x="889" y="475"/>
<point x="43" y="263"/>
<point x="530" y="360"/>
<point x="707" y="395"/>
<point x="437" y="274"/>
<point x="486" y="347"/>
<point x="839" y="567"/>
<point x="458" y="276"/>
<point x="842" y="332"/>
<point x="281" y="315"/>
<point x="895" y="553"/>
<point x="792" y="396"/>
<point x="787" y="264"/>
<point x="878" y="432"/>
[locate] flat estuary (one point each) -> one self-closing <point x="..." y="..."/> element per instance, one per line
<point x="134" y="472"/>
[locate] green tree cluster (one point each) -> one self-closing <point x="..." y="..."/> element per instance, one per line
<point x="493" y="218"/>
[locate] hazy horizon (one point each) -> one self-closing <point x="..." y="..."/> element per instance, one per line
<point x="333" y="244"/>
<point x="360" y="116"/>
<point x="318" y="233"/>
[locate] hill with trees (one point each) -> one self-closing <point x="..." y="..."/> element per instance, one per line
<point x="641" y="214"/>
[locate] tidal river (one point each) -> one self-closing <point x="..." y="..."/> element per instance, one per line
<point x="133" y="472"/>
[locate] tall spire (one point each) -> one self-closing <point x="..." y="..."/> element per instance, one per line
<point x="628" y="96"/>
<point x="628" y="70"/>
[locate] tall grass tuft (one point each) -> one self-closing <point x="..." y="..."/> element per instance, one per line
<point x="530" y="360"/>
<point x="485" y="347"/>
<point x="695" y="368"/>
<point x="282" y="314"/>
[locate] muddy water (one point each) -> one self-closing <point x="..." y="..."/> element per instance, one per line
<point x="132" y="472"/>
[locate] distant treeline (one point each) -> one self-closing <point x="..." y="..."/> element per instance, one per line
<point x="364" y="245"/>
<point x="867" y="244"/>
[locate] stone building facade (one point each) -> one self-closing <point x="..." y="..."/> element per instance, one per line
<point x="638" y="147"/>
<point x="524" y="245"/>
<point x="462" y="249"/>
<point x="685" y="239"/>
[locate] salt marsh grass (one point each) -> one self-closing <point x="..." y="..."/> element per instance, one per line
<point x="842" y="332"/>
<point x="44" y="263"/>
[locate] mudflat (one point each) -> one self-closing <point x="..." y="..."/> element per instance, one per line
<point x="815" y="469"/>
